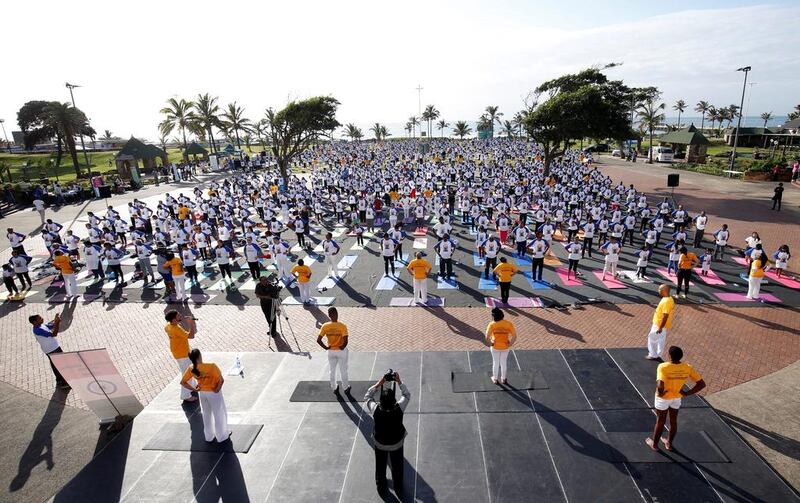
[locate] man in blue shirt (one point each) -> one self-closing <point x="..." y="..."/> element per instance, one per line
<point x="46" y="337"/>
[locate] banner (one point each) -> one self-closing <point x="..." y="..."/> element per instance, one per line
<point x="97" y="382"/>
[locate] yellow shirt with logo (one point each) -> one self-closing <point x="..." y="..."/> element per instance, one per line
<point x="335" y="332"/>
<point x="176" y="265"/>
<point x="419" y="267"/>
<point x="303" y="273"/>
<point x="665" y="306"/>
<point x="63" y="264"/>
<point x="674" y="376"/>
<point x="755" y="270"/>
<point x="209" y="377"/>
<point x="499" y="333"/>
<point x="504" y="271"/>
<point x="178" y="340"/>
<point x="686" y="259"/>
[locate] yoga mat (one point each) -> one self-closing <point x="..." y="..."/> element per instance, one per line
<point x="409" y="302"/>
<point x="631" y="275"/>
<point x="188" y="437"/>
<point x="420" y="243"/>
<point x="356" y="247"/>
<point x="690" y="447"/>
<point x="610" y="281"/>
<point x="421" y="231"/>
<point x="319" y="301"/>
<point x="711" y="279"/>
<point x="741" y="297"/>
<point x="746" y="277"/>
<point x="536" y="285"/>
<point x="523" y="262"/>
<point x="572" y="281"/>
<point x="320" y="391"/>
<point x="469" y="382"/>
<point x="674" y="279"/>
<point x="517" y="302"/>
<point x="386" y="283"/>
<point x="487" y="284"/>
<point x="740" y="260"/>
<point x="552" y="260"/>
<point x="478" y="261"/>
<point x="404" y="260"/>
<point x="329" y="282"/>
<point x="785" y="281"/>
<point x="443" y="284"/>
<point x="347" y="261"/>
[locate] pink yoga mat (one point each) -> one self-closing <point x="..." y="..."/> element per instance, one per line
<point x="740" y="260"/>
<point x="711" y="279"/>
<point x="562" y="275"/>
<point x="788" y="282"/>
<point x="662" y="271"/>
<point x="741" y="297"/>
<point x="421" y="231"/>
<point x="609" y="282"/>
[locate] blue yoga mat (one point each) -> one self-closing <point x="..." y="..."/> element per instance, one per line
<point x="478" y="261"/>
<point x="523" y="261"/>
<point x="443" y="284"/>
<point x="536" y="285"/>
<point x="487" y="284"/>
<point x="386" y="283"/>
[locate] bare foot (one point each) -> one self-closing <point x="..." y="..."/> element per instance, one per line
<point x="667" y="444"/>
<point x="649" y="441"/>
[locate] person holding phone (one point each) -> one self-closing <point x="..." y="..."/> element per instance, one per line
<point x="179" y="345"/>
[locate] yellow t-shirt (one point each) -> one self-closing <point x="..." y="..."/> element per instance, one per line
<point x="63" y="264"/>
<point x="178" y="340"/>
<point x="209" y="377"/>
<point x="504" y="271"/>
<point x="674" y="376"/>
<point x="183" y="213"/>
<point x="176" y="265"/>
<point x="686" y="259"/>
<point x="499" y="333"/>
<point x="303" y="273"/>
<point x="419" y="267"/>
<point x="335" y="332"/>
<point x="755" y="270"/>
<point x="665" y="306"/>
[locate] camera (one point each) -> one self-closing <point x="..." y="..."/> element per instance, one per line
<point x="389" y="376"/>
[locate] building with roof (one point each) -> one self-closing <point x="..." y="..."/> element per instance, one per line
<point x="688" y="140"/>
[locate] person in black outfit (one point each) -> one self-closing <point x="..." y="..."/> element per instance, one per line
<point x="269" y="294"/>
<point x="388" y="433"/>
<point x="776" y="198"/>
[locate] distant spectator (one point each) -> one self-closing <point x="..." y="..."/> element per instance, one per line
<point x="777" y="196"/>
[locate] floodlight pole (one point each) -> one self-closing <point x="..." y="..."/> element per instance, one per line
<point x="83" y="146"/>
<point x="2" y="123"/>
<point x="419" y="99"/>
<point x="744" y="69"/>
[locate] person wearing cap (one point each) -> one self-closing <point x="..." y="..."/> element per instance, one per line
<point x="419" y="269"/>
<point x="388" y="431"/>
<point x="500" y="335"/>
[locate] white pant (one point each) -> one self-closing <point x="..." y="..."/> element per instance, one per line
<point x="282" y="264"/>
<point x="215" y="416"/>
<point x="338" y="359"/>
<point x="610" y="266"/>
<point x="305" y="291"/>
<point x="421" y="290"/>
<point x="183" y="364"/>
<point x="655" y="342"/>
<point x="180" y="286"/>
<point x="332" y="270"/>
<point x="754" y="287"/>
<point x="70" y="284"/>
<point x="499" y="363"/>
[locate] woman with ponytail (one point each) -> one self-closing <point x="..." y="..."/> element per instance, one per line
<point x="209" y="388"/>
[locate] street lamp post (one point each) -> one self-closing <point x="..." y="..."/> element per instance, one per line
<point x="3" y="124"/>
<point x="83" y="146"/>
<point x="744" y="69"/>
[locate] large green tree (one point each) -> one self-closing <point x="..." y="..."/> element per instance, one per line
<point x="207" y="116"/>
<point x="703" y="107"/>
<point x="430" y="114"/>
<point x="650" y="117"/>
<point x="42" y="121"/>
<point x="236" y="121"/>
<point x="582" y="105"/>
<point x="461" y="129"/>
<point x="299" y="124"/>
<point x="178" y="115"/>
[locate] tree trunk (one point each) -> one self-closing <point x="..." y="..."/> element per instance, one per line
<point x="185" y="146"/>
<point x="702" y="122"/>
<point x="238" y="143"/>
<point x="650" y="149"/>
<point x="59" y="151"/>
<point x="679" y="119"/>
<point x="213" y="143"/>
<point x="283" y="166"/>
<point x="73" y="153"/>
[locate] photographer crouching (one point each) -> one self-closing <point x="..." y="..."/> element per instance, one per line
<point x="268" y="292"/>
<point x="388" y="430"/>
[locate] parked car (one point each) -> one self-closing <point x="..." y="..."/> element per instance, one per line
<point x="600" y="147"/>
<point x="662" y="154"/>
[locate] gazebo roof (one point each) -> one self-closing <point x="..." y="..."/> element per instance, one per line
<point x="138" y="150"/>
<point x="195" y="148"/>
<point x="686" y="136"/>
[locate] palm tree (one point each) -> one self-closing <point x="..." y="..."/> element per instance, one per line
<point x="408" y="128"/>
<point x="236" y="121"/>
<point x="508" y="130"/>
<point x="733" y="111"/>
<point x="650" y="117"/>
<point x="519" y="121"/>
<point x="247" y="140"/>
<point x="179" y="115"/>
<point x="430" y="114"/>
<point x="162" y="140"/>
<point x="353" y="132"/>
<point x="207" y="113"/>
<point x="680" y="107"/>
<point x="703" y="107"/>
<point x="378" y="130"/>
<point x="414" y="121"/>
<point x="442" y="125"/>
<point x="461" y="129"/>
<point x="260" y="130"/>
<point x="766" y="116"/>
<point x="107" y="135"/>
<point x="493" y="116"/>
<point x="67" y="121"/>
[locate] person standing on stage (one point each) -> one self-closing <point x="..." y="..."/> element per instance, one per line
<point x="336" y="337"/>
<point x="179" y="345"/>
<point x="207" y="380"/>
<point x="500" y="335"/>
<point x="269" y="295"/>
<point x="670" y="378"/>
<point x="46" y="337"/>
<point x="662" y="321"/>
<point x="388" y="431"/>
<point x="419" y="269"/>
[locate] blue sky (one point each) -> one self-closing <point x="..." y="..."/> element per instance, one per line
<point x="372" y="55"/>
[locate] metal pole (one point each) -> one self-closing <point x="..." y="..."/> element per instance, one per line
<point x="85" y="156"/>
<point x="744" y="69"/>
<point x="3" y="124"/>
<point x="419" y="100"/>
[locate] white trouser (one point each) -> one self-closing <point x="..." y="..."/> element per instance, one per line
<point x="215" y="416"/>
<point x="70" y="284"/>
<point x="499" y="363"/>
<point x="183" y="364"/>
<point x="332" y="270"/>
<point x="421" y="290"/>
<point x="282" y="264"/>
<point x="754" y="287"/>
<point x="610" y="266"/>
<point x="180" y="286"/>
<point x="338" y="358"/>
<point x="305" y="291"/>
<point x="655" y="342"/>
